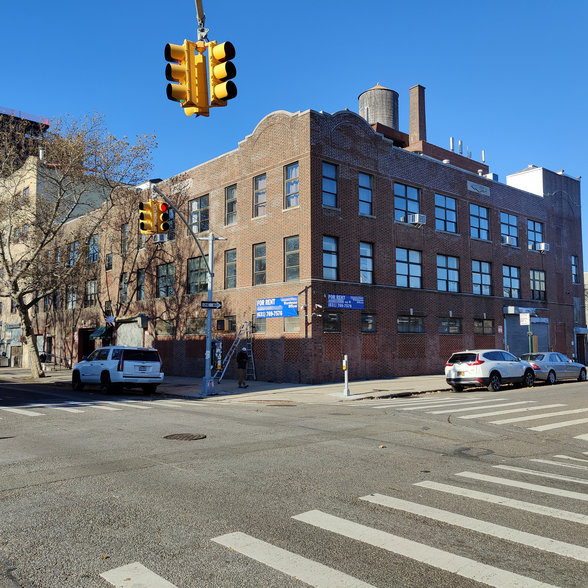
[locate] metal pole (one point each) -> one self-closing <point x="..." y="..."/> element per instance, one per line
<point x="346" y="372"/>
<point x="208" y="380"/>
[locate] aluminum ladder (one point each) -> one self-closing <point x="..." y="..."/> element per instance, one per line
<point x="242" y="339"/>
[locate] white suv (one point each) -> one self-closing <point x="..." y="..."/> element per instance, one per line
<point x="489" y="368"/>
<point x="117" y="367"/>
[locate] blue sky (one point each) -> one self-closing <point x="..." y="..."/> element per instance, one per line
<point x="506" y="77"/>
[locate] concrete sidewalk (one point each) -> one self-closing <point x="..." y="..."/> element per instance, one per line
<point x="228" y="391"/>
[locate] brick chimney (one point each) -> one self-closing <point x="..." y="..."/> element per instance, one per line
<point x="417" y="128"/>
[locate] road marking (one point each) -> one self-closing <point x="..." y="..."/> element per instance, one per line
<point x="419" y="402"/>
<point x="502" y="501"/>
<point x="497" y="412"/>
<point x="55" y="407"/>
<point x="572" y="458"/>
<point x="456" y="402"/>
<point x="305" y="570"/>
<point x="542" y="474"/>
<point x="20" y="411"/>
<point x="167" y="403"/>
<point x="563" y="465"/>
<point x="135" y="575"/>
<point x="462" y="566"/>
<point x="91" y="405"/>
<point x="478" y="408"/>
<point x="492" y="529"/>
<point x="539" y="416"/>
<point x="558" y="425"/>
<point x="125" y="403"/>
<point x="583" y="437"/>
<point x="525" y="486"/>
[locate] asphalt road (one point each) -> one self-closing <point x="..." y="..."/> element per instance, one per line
<point x="443" y="490"/>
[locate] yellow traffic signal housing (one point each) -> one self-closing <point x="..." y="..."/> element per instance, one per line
<point x="162" y="217"/>
<point x="147" y="218"/>
<point x="221" y="70"/>
<point x="188" y="69"/>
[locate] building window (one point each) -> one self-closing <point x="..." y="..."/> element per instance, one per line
<point x="534" y="234"/>
<point x="91" y="298"/>
<point x="13" y="307"/>
<point x="231" y="205"/>
<point x="199" y="214"/>
<point x="141" y="239"/>
<point x="450" y="326"/>
<point x="73" y="253"/>
<point x="445" y="214"/>
<point x="481" y="278"/>
<point x="231" y="268"/>
<point x="329" y="184"/>
<point x="291" y="324"/>
<point x="366" y="263"/>
<point x="107" y="308"/>
<point x="332" y="322"/>
<point x="511" y="281"/>
<point x="365" y="194"/>
<point x="408" y="268"/>
<point x="483" y="327"/>
<point x="171" y="221"/>
<point x="124" y="240"/>
<point x="196" y="326"/>
<point x="108" y="261"/>
<point x="141" y="284"/>
<point x="166" y="274"/>
<point x="164" y="328"/>
<point x="411" y="324"/>
<point x="93" y="249"/>
<point x="537" y="285"/>
<point x="259" y="195"/>
<point x="291" y="189"/>
<point x="447" y="273"/>
<point x="71" y="296"/>
<point x="124" y="287"/>
<point x="292" y="258"/>
<point x="330" y="258"/>
<point x="258" y="325"/>
<point x="575" y="269"/>
<point x="509" y="229"/>
<point x="231" y="323"/>
<point x="197" y="275"/>
<point x="406" y="201"/>
<point x="479" y="222"/>
<point x="368" y="323"/>
<point x="259" y="264"/>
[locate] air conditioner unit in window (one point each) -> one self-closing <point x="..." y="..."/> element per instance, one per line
<point x="160" y="238"/>
<point x="543" y="247"/>
<point x="508" y="240"/>
<point x="417" y="219"/>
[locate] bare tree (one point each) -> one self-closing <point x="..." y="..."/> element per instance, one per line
<point x="54" y="202"/>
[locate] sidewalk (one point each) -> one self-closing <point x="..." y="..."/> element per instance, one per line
<point x="258" y="391"/>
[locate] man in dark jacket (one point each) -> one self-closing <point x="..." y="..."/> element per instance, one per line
<point x="242" y="366"/>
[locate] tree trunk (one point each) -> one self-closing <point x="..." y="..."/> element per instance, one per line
<point x="25" y="319"/>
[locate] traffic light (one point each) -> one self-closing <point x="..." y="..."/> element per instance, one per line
<point x="162" y="216"/>
<point x="220" y="70"/>
<point x="188" y="69"/>
<point x="147" y="218"/>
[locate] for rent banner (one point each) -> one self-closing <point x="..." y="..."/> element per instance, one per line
<point x="276" y="307"/>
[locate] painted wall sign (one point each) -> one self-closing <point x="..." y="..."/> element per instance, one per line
<point x="344" y="301"/>
<point x="276" y="307"/>
<point x="478" y="188"/>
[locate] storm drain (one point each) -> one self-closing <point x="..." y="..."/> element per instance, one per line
<point x="185" y="437"/>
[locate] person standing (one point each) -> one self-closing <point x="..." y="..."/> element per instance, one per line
<point x="43" y="360"/>
<point x="242" y="360"/>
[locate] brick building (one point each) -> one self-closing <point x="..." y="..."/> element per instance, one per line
<point x="380" y="245"/>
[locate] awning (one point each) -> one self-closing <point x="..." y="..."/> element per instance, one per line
<point x="580" y="330"/>
<point x="100" y="333"/>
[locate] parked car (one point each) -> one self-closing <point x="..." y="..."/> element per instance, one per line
<point x="551" y="367"/>
<point x="118" y="367"/>
<point x="487" y="367"/>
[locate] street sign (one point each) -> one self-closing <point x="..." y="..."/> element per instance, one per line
<point x="217" y="304"/>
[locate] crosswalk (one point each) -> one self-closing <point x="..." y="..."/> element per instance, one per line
<point x="483" y="408"/>
<point x="464" y="490"/>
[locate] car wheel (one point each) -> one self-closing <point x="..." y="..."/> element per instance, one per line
<point x="76" y="382"/>
<point x="529" y="379"/>
<point x="457" y="388"/>
<point x="551" y="379"/>
<point x="582" y="376"/>
<point x="149" y="388"/>
<point x="495" y="382"/>
<point x="106" y="386"/>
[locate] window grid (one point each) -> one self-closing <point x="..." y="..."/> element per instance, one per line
<point x="199" y="214"/>
<point x="479" y="222"/>
<point x="93" y="249"/>
<point x="332" y="322"/>
<point x="231" y="204"/>
<point x="231" y="268"/>
<point x="368" y="323"/>
<point x="534" y="234"/>
<point x="445" y="214"/>
<point x="259" y="264"/>
<point x="259" y="195"/>
<point x="71" y="294"/>
<point x="329" y="184"/>
<point x="197" y="275"/>
<point x="481" y="278"/>
<point x="483" y="327"/>
<point x="406" y="201"/>
<point x="91" y="298"/>
<point x="447" y="273"/>
<point x="365" y="194"/>
<point x="450" y="326"/>
<point x="291" y="258"/>
<point x="509" y="227"/>
<point x="511" y="281"/>
<point x="330" y="258"/>
<point x="124" y="240"/>
<point x="537" y="285"/>
<point x="166" y="274"/>
<point x="73" y="253"/>
<point x="408" y="268"/>
<point x="366" y="263"/>
<point x="124" y="287"/>
<point x="108" y="261"/>
<point x="141" y="284"/>
<point x="411" y="324"/>
<point x="291" y="188"/>
<point x="575" y="269"/>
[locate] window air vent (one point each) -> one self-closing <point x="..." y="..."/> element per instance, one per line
<point x="160" y="238"/>
<point x="417" y="219"/>
<point x="543" y="247"/>
<point x="508" y="240"/>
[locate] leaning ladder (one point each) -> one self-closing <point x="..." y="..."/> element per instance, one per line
<point x="244" y="333"/>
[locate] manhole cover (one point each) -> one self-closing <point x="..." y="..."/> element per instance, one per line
<point x="185" y="437"/>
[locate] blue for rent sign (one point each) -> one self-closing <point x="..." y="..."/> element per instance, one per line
<point x="344" y="301"/>
<point x="276" y="307"/>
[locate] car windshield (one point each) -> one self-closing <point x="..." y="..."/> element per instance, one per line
<point x="140" y="355"/>
<point x="532" y="356"/>
<point x="462" y="358"/>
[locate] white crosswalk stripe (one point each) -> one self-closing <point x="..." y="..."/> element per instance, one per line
<point x="470" y="408"/>
<point x="540" y="416"/>
<point x="30" y="413"/>
<point x="510" y="411"/>
<point x="456" y="402"/>
<point x="135" y="575"/>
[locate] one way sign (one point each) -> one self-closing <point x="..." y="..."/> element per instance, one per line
<point x="217" y="304"/>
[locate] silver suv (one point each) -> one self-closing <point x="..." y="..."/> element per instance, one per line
<point x="118" y="367"/>
<point x="487" y="367"/>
